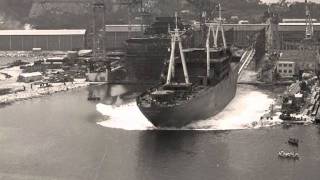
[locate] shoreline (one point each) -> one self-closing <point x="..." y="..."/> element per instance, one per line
<point x="40" y="92"/>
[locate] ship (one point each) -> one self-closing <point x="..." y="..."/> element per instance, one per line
<point x="198" y="84"/>
<point x="145" y="55"/>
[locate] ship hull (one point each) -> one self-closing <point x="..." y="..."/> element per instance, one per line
<point x="204" y="105"/>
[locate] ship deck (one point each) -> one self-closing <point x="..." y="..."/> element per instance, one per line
<point x="171" y="95"/>
<point x="176" y="93"/>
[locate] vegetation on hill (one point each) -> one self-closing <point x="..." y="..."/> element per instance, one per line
<point x="16" y="13"/>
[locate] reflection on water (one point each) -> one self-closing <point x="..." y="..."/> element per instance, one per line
<point x="249" y="154"/>
<point x="115" y="95"/>
<point x="181" y="154"/>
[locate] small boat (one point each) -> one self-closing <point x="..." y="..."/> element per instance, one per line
<point x="293" y="141"/>
<point x="288" y="155"/>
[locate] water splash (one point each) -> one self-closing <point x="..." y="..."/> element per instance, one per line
<point x="243" y="112"/>
<point x="127" y="117"/>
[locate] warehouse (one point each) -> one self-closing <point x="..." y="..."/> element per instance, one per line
<point x="292" y="33"/>
<point x="49" y="40"/>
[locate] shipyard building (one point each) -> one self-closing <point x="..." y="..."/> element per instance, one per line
<point x="290" y="33"/>
<point x="48" y="40"/>
<point x="116" y="35"/>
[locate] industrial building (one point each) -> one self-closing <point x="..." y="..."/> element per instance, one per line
<point x="244" y="34"/>
<point x="286" y="68"/>
<point x="306" y="60"/>
<point x="116" y="35"/>
<point x="48" y="40"/>
<point x="291" y="34"/>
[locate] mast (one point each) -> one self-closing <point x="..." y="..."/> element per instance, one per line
<point x="210" y="30"/>
<point x="215" y="33"/>
<point x="220" y="26"/>
<point x="176" y="38"/>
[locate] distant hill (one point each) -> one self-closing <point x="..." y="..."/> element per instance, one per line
<point x="15" y="13"/>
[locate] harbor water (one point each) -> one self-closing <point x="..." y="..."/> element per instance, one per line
<point x="67" y="137"/>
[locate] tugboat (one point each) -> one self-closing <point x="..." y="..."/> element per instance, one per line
<point x="198" y="85"/>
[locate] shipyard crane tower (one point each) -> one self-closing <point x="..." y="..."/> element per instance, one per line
<point x="273" y="19"/>
<point x="308" y="43"/>
<point x="143" y="10"/>
<point x="97" y="31"/>
<point x="309" y="23"/>
<point x="204" y="8"/>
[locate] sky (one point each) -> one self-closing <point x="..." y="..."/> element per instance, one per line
<point x="272" y="1"/>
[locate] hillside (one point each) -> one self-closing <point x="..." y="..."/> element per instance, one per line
<point x="15" y="13"/>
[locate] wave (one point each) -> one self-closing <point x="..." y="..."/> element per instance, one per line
<point x="243" y="112"/>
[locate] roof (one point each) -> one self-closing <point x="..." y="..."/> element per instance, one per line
<point x="299" y="55"/>
<point x="297" y="26"/>
<point x="294" y="20"/>
<point x="51" y="32"/>
<point x="124" y="28"/>
<point x="285" y="62"/>
<point x="245" y="27"/>
<point x="30" y="74"/>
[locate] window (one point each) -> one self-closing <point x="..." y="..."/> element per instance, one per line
<point x="285" y="65"/>
<point x="280" y="70"/>
<point x="290" y="65"/>
<point x="280" y="65"/>
<point x="290" y="71"/>
<point x="285" y="71"/>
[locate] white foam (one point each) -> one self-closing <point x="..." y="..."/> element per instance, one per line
<point x="243" y="112"/>
<point x="127" y="117"/>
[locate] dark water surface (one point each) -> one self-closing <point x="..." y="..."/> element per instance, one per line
<point x="57" y="137"/>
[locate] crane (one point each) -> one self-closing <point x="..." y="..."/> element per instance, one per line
<point x="98" y="20"/>
<point x="144" y="10"/>
<point x="274" y="12"/>
<point x="309" y="23"/>
<point x="98" y="27"/>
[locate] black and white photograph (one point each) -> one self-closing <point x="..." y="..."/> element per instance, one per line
<point x="159" y="89"/>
